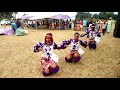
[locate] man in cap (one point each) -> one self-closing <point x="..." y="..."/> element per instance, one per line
<point x="93" y="35"/>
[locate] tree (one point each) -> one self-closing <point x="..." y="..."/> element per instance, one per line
<point x="7" y="14"/>
<point x="81" y="15"/>
<point x="109" y="14"/>
<point x="95" y="16"/>
<point x="102" y="15"/>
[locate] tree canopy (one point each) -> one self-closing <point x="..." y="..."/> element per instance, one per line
<point x="101" y="15"/>
<point x="7" y="14"/>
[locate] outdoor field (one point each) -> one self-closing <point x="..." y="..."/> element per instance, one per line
<point x="17" y="59"/>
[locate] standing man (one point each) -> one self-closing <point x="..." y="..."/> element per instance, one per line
<point x="84" y="24"/>
<point x="14" y="26"/>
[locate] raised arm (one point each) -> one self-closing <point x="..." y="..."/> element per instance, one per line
<point x="83" y="43"/>
<point x="38" y="47"/>
<point x="65" y="43"/>
<point x="98" y="34"/>
<point x="56" y="46"/>
<point x="87" y="32"/>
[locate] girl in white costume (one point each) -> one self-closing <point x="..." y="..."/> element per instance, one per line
<point x="75" y="51"/>
<point x="49" y="59"/>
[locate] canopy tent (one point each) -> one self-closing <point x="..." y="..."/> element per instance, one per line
<point x="35" y="18"/>
<point x="26" y="17"/>
<point x="59" y="16"/>
<point x="38" y="17"/>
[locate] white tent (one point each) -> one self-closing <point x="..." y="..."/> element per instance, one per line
<point x="37" y="17"/>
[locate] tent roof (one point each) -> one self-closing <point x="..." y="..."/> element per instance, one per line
<point x="26" y="17"/>
<point x="60" y="16"/>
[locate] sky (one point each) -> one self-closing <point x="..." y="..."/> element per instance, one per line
<point x="48" y="14"/>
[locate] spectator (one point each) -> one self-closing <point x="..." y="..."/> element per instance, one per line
<point x="84" y="24"/>
<point x="104" y="26"/>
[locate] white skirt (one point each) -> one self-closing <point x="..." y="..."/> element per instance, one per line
<point x="97" y="39"/>
<point x="54" y="57"/>
<point x="81" y="52"/>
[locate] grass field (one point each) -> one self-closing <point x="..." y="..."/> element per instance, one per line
<point x="17" y="59"/>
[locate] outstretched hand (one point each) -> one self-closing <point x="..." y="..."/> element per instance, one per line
<point x="81" y="35"/>
<point x="85" y="42"/>
<point x="65" y="45"/>
<point x="40" y="49"/>
<point x="58" y="48"/>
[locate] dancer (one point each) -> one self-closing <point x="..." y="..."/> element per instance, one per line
<point x="75" y="51"/>
<point x="49" y="59"/>
<point x="94" y="37"/>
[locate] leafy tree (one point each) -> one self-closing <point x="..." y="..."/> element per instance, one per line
<point x="95" y="16"/>
<point x="81" y="15"/>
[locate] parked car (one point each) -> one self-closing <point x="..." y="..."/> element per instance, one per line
<point x="5" y="22"/>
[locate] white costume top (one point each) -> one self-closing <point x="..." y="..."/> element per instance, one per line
<point x="93" y="35"/>
<point x="75" y="45"/>
<point x="47" y="51"/>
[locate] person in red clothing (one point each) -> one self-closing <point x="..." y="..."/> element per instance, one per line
<point x="78" y="25"/>
<point x="48" y="24"/>
<point x="81" y="25"/>
<point x="56" y="25"/>
<point x="63" y="25"/>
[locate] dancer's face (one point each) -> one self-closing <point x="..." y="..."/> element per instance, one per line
<point x="76" y="37"/>
<point x="48" y="39"/>
<point x="92" y="28"/>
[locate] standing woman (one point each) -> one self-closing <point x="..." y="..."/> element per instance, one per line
<point x="67" y="24"/>
<point x="101" y="23"/>
<point x="78" y="26"/>
<point x="97" y="24"/>
<point x="104" y="27"/>
<point x="81" y="25"/>
<point x="72" y="26"/>
<point x="109" y="26"/>
<point x="52" y="25"/>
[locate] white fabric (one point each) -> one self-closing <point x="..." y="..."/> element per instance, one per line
<point x="26" y="32"/>
<point x="81" y="52"/>
<point x="90" y="25"/>
<point x="92" y="36"/>
<point x="77" y="44"/>
<point x="2" y="31"/>
<point x="49" y="49"/>
<point x="97" y="39"/>
<point x="54" y="57"/>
